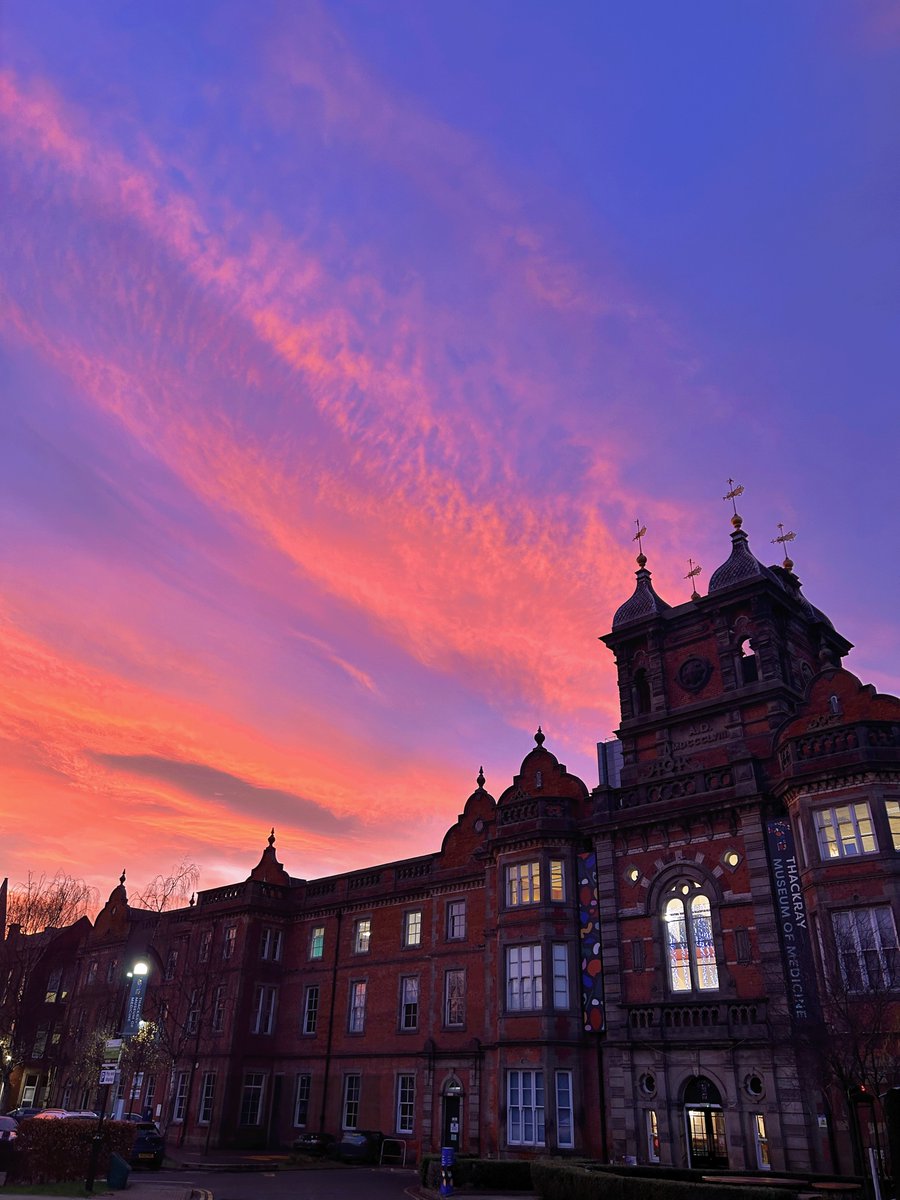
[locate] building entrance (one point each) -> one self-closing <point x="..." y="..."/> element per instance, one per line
<point x="705" y="1124"/>
<point x="451" y="1117"/>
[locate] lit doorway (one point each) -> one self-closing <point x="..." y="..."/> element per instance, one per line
<point x="704" y="1124"/>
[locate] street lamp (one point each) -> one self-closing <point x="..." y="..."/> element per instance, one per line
<point x="128" y="1024"/>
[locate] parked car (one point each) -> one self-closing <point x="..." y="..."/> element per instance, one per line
<point x="315" y="1144"/>
<point x="9" y="1132"/>
<point x="51" y="1114"/>
<point x="149" y="1147"/>
<point x="82" y="1114"/>
<point x="362" y="1145"/>
<point x="19" y="1114"/>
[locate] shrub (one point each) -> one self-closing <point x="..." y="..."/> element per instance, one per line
<point x="559" y="1181"/>
<point x="53" y="1151"/>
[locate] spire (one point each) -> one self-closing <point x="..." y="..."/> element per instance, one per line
<point x="643" y="602"/>
<point x="782" y="540"/>
<point x="694" y="570"/>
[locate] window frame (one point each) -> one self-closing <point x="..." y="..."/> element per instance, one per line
<point x="350" y="1102"/>
<point x="409" y="1003"/>
<point x="271" y="944"/>
<point x="362" y="935"/>
<point x="524" y="977"/>
<point x="412" y="928"/>
<point x="456" y="920"/>
<point x="887" y="956"/>
<point x="207" y="1097"/>
<point x="559" y="892"/>
<point x="265" y="1001"/>
<point x="316" y="943"/>
<point x="689" y="941"/>
<point x="302" y="1094"/>
<point x="311" y="1000"/>
<point x="405" y="1111"/>
<point x="452" y="1000"/>
<point x="831" y="830"/>
<point x="229" y="942"/>
<point x="523" y="883"/>
<point x="892" y="813"/>
<point x="252" y="1097"/>
<point x="561" y="976"/>
<point x="523" y="1084"/>
<point x="562" y="1108"/>
<point x="356" y="1014"/>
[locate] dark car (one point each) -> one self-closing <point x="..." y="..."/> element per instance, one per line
<point x="149" y="1147"/>
<point x="19" y="1114"/>
<point x="362" y="1145"/>
<point x="315" y="1144"/>
<point x="9" y="1132"/>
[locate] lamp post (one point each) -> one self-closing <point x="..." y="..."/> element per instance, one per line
<point x="128" y="1023"/>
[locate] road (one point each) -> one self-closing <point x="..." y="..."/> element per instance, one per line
<point x="356" y="1183"/>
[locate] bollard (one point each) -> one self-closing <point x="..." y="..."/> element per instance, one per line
<point x="448" y="1156"/>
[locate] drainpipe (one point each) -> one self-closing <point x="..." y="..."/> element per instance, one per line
<point x="334" y="969"/>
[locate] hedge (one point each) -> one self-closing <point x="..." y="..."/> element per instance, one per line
<point x="502" y="1174"/>
<point x="50" y="1151"/>
<point x="559" y="1181"/>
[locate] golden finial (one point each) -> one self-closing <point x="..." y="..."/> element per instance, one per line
<point x="734" y="490"/>
<point x="782" y="540"/>
<point x="692" y="574"/>
<point x="641" y="533"/>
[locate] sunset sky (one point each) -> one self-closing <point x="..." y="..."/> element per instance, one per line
<point x="342" y="343"/>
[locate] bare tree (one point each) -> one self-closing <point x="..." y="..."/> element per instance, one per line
<point x="41" y="913"/>
<point x="169" y="891"/>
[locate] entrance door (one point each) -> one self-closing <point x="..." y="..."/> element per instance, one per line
<point x="706" y="1137"/>
<point x="451" y="1124"/>
<point x="705" y="1124"/>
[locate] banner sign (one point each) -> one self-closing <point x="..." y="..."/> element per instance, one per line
<point x="591" y="960"/>
<point x="135" y="1005"/>
<point x="793" y="924"/>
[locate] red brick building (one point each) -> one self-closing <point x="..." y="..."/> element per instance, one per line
<point x="694" y="962"/>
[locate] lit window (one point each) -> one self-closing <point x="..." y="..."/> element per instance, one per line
<point x="207" y="1095"/>
<point x="565" y="1129"/>
<point x="652" y="1131"/>
<point x="263" y="1020"/>
<point x="866" y="943"/>
<point x="406" y="1103"/>
<point x="560" y="975"/>
<point x="456" y="920"/>
<point x="892" y="808"/>
<point x="845" y="831"/>
<point x="409" y="1002"/>
<point x="362" y="935"/>
<point x="525" y="1108"/>
<point x="311" y="1009"/>
<point x="317" y="942"/>
<point x="53" y="982"/>
<point x="455" y="998"/>
<point x="357" y="1006"/>
<point x="350" y="1106"/>
<point x="412" y="928"/>
<point x="523" y="883"/>
<point x="762" y="1142"/>
<point x="690" y="948"/>
<point x="301" y="1099"/>
<point x="251" y="1098"/>
<point x="557" y="880"/>
<point x="523" y="978"/>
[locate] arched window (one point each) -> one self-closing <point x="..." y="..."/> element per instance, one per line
<point x="641" y="691"/>
<point x="690" y="947"/>
<point x="749" y="662"/>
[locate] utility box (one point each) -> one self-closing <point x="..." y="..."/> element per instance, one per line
<point x="118" y="1171"/>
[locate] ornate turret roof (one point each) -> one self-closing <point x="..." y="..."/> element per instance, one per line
<point x="742" y="564"/>
<point x="269" y="869"/>
<point x="643" y="601"/>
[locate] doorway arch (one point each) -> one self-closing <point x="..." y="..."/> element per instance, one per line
<point x="451" y="1113"/>
<point x="704" y="1122"/>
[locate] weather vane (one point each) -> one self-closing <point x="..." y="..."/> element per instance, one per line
<point x="782" y="540"/>
<point x="734" y="490"/>
<point x="692" y="574"/>
<point x="641" y="533"/>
